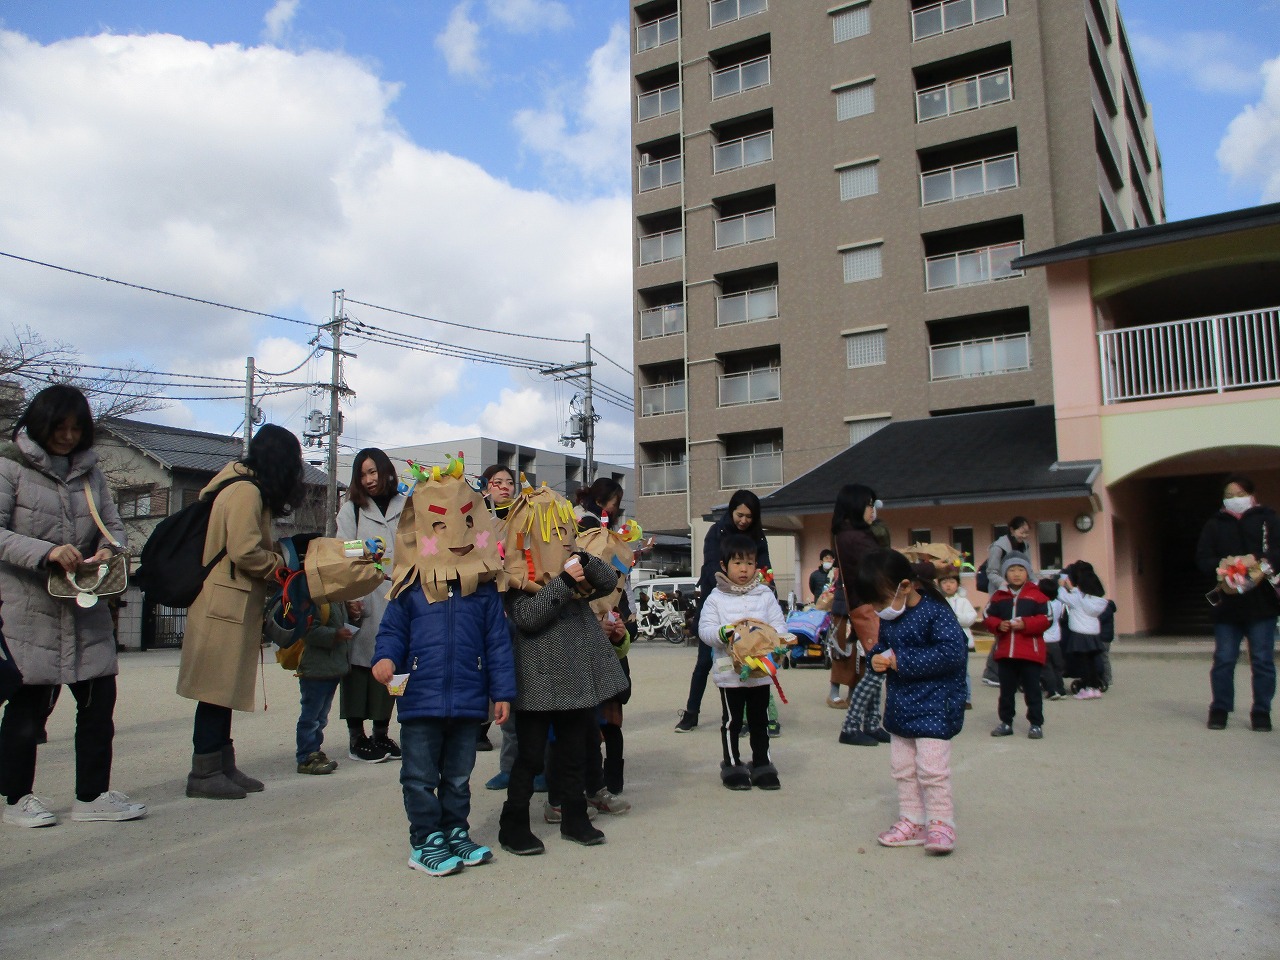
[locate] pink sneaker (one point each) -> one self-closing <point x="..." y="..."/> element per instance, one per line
<point x="904" y="833"/>
<point x="941" y="838"/>
<point x="1083" y="694"/>
<point x="1095" y="694"/>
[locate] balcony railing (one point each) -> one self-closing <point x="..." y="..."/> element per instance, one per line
<point x="657" y="247"/>
<point x="969" y="180"/>
<point x="953" y="15"/>
<point x="752" y="386"/>
<point x="960" y="96"/>
<point x="662" y="398"/>
<point x="660" y="173"/>
<point x="743" y="152"/>
<point x="660" y="478"/>
<point x="980" y="358"/>
<point x="662" y="321"/>
<point x="744" y="228"/>
<point x="969" y="267"/>
<point x="727" y="11"/>
<point x="752" y="470"/>
<point x="658" y="103"/>
<point x="1207" y="355"/>
<point x="740" y="77"/>
<point x="747" y="307"/>
<point x="657" y="32"/>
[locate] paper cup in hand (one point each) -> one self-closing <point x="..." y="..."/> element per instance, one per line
<point x="398" y="682"/>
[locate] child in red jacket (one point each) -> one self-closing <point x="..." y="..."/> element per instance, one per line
<point x="1017" y="617"/>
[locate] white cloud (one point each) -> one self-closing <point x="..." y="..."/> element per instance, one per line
<point x="1210" y="61"/>
<point x="587" y="129"/>
<point x="460" y="42"/>
<point x="529" y="16"/>
<point x="267" y="179"/>
<point x="1250" y="149"/>
<point x="278" y="19"/>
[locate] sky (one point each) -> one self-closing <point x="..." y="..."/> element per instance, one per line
<point x="463" y="160"/>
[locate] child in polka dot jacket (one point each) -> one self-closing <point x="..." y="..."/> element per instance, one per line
<point x="923" y="655"/>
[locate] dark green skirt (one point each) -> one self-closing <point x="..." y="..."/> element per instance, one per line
<point x="364" y="698"/>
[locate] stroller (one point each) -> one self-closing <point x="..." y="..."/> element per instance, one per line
<point x="812" y="630"/>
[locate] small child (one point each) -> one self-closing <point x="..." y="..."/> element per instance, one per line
<point x="1017" y="616"/>
<point x="1084" y="597"/>
<point x="739" y="594"/>
<point x="921" y="654"/>
<point x="323" y="664"/>
<point x="1054" y="664"/>
<point x="958" y="600"/>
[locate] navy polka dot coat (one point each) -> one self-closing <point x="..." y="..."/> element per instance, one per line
<point x="924" y="696"/>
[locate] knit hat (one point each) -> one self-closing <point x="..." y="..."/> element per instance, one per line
<point x="1014" y="560"/>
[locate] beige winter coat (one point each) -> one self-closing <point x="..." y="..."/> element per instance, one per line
<point x="223" y="642"/>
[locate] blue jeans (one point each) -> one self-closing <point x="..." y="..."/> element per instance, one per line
<point x="1226" y="651"/>
<point x="435" y="773"/>
<point x="313" y="717"/>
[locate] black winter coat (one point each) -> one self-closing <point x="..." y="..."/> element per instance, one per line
<point x="1228" y="536"/>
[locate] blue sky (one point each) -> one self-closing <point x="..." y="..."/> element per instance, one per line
<point x="463" y="160"/>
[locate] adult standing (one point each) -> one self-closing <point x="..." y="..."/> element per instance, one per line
<point x="373" y="509"/>
<point x="742" y="515"/>
<point x="1242" y="528"/>
<point x="47" y="474"/>
<point x="499" y="493"/>
<point x="1017" y="540"/>
<point x="820" y="577"/>
<point x="852" y="517"/>
<point x="221" y="649"/>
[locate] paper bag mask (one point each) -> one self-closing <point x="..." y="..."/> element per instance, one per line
<point x="539" y="534"/>
<point x="333" y="575"/>
<point x="612" y="549"/>
<point x="445" y="534"/>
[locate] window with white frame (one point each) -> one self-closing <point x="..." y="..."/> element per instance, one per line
<point x="859" y="430"/>
<point x="864" y="348"/>
<point x="852" y="22"/>
<point x="860" y="180"/>
<point x="856" y="100"/>
<point x="862" y="263"/>
<point x="727" y="11"/>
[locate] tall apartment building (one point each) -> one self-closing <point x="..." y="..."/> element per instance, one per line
<point x="827" y="201"/>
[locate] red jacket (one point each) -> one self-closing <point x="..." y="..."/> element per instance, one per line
<point x="1033" y="607"/>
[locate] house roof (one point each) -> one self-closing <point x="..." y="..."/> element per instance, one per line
<point x="1175" y="231"/>
<point x="176" y="448"/>
<point x="984" y="457"/>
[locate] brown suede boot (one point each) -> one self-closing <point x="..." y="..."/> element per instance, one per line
<point x="238" y="777"/>
<point x="207" y="779"/>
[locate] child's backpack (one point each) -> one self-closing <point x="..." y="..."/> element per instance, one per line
<point x="172" y="569"/>
<point x="981" y="580"/>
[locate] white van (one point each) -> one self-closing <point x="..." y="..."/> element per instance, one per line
<point x="658" y="617"/>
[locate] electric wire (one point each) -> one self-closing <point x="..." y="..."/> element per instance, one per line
<point x="464" y="326"/>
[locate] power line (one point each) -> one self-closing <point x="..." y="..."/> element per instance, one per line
<point x="464" y="326"/>
<point x="305" y="361"/>
<point x="629" y="373"/>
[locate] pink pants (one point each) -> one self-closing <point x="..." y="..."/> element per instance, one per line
<point x="922" y="768"/>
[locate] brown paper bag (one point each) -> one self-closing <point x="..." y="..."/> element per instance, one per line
<point x="333" y="576"/>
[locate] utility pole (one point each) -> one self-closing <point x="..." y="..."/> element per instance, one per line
<point x="586" y="431"/>
<point x="336" y="388"/>
<point x="248" y="403"/>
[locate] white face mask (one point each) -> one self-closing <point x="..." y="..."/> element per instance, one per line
<point x="1238" y="505"/>
<point x="826" y="564"/>
<point x="891" y="612"/>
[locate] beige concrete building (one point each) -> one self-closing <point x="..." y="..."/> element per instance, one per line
<point x="828" y="198"/>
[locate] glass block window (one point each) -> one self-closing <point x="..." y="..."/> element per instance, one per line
<point x="856" y="101"/>
<point x="861" y="180"/>
<point x="862" y="263"/>
<point x="859" y="430"/>
<point x="852" y="23"/>
<point x="864" y="349"/>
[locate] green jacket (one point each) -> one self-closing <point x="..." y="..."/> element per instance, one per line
<point x="325" y="656"/>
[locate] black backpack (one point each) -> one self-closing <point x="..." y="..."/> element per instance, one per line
<point x="981" y="580"/>
<point x="172" y="569"/>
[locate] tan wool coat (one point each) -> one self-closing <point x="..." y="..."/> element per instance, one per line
<point x="223" y="641"/>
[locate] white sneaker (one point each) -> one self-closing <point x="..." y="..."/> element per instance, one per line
<point x="30" y="811"/>
<point x="112" y="805"/>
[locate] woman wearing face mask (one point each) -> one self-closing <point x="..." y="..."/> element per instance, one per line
<point x="1242" y="528"/>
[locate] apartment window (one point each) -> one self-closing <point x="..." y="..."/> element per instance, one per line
<point x="657" y="32"/>
<point x="851" y="23"/>
<point x="860" y="180"/>
<point x="939" y="18"/>
<point x="664" y="476"/>
<point x="1049" y="539"/>
<point x="747" y="307"/>
<point x="962" y="540"/>
<point x="745" y="228"/>
<point x="655" y="174"/>
<point x="751" y="461"/>
<point x="960" y="96"/>
<point x="859" y="430"/>
<point x="751" y="386"/>
<point x="969" y="179"/>
<point x="856" y="100"/>
<point x="740" y="77"/>
<point x="743" y="152"/>
<point x="980" y="358"/>
<point x="727" y="11"/>
<point x="864" y="349"/>
<point x="662" y="321"/>
<point x="862" y="263"/>
<point x="965" y="268"/>
<point x="657" y="247"/>
<point x="658" y="103"/>
<point x="662" y="398"/>
<point x="920" y="535"/>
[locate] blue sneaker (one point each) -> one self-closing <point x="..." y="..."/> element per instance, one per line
<point x="540" y="783"/>
<point x="435" y="858"/>
<point x="471" y="854"/>
<point x="498" y="781"/>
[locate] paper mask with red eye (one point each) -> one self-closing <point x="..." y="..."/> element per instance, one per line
<point x="538" y="535"/>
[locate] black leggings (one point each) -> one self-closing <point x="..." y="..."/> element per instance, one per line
<point x="25" y="717"/>
<point x="212" y="729"/>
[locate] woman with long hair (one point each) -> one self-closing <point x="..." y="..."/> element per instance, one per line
<point x="47" y="474"/>
<point x="220" y="651"/>
<point x="372" y="509"/>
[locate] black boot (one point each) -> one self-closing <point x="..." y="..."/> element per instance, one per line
<point x="207" y="779"/>
<point x="1217" y="719"/>
<point x="576" y="826"/>
<point x="1260" y="720"/>
<point x="514" y="835"/>
<point x="482" y="738"/>
<point x="613" y="773"/>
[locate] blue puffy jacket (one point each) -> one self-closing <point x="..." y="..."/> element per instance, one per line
<point x="456" y="651"/>
<point x="924" y="696"/>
